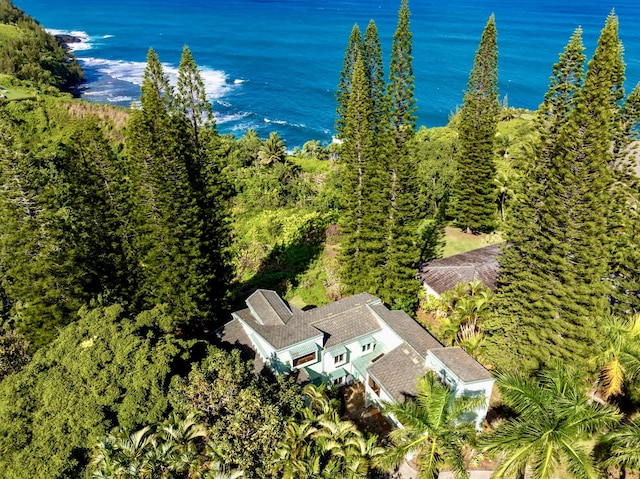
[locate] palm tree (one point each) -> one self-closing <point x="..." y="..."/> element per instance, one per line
<point x="623" y="448"/>
<point x="272" y="150"/>
<point x="319" y="445"/>
<point x="619" y="355"/>
<point x="176" y="449"/>
<point x="433" y="429"/>
<point x="554" y="417"/>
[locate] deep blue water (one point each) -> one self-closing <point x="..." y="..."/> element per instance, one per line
<point x="274" y="64"/>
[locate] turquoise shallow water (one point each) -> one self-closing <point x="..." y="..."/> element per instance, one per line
<point x="274" y="64"/>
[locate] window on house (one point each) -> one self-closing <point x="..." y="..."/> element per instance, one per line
<point x="374" y="386"/>
<point x="338" y="381"/>
<point x="304" y="359"/>
<point x="367" y="347"/>
<point x="339" y="358"/>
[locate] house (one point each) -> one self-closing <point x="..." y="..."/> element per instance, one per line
<point x="443" y="274"/>
<point x="355" y="339"/>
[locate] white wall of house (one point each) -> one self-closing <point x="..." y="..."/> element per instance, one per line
<point x="387" y="338"/>
<point x="470" y="389"/>
<point x="430" y="291"/>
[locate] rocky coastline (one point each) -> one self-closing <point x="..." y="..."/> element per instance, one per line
<point x="65" y="40"/>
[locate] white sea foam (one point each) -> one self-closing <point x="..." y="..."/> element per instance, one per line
<point x="277" y="122"/>
<point x="119" y="99"/>
<point x="233" y="117"/>
<point x="215" y="81"/>
<point x="107" y="36"/>
<point x="238" y="81"/>
<point x="83" y="44"/>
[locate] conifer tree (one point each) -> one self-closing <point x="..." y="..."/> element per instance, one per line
<point x="562" y="286"/>
<point x="357" y="151"/>
<point x="208" y="182"/>
<point x="375" y="74"/>
<point x="354" y="48"/>
<point x="399" y="286"/>
<point x="475" y="191"/>
<point x="402" y="102"/>
<point x="58" y="240"/>
<point x="166" y="236"/>
<point x="625" y="214"/>
<point x="523" y="277"/>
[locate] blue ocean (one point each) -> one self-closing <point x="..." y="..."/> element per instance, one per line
<point x="273" y="65"/>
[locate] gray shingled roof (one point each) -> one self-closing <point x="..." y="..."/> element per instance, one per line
<point x="347" y="320"/>
<point x="234" y="334"/>
<point x="408" y="329"/>
<point x="445" y="273"/>
<point x="346" y="326"/>
<point x="461" y="364"/>
<point x="296" y="330"/>
<point x="398" y="371"/>
<point x="268" y="307"/>
<point x="338" y="307"/>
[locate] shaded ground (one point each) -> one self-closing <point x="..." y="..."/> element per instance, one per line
<point x="369" y="418"/>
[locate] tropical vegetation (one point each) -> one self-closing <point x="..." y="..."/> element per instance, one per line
<point x="128" y="235"/>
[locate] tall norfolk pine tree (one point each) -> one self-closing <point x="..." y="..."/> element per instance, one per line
<point x="177" y="247"/>
<point x="357" y="154"/>
<point x="475" y="190"/>
<point x="400" y="286"/>
<point x="552" y="290"/>
<point x="379" y="250"/>
<point x="354" y="48"/>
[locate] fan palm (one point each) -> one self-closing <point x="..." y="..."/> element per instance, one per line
<point x="433" y="429"/>
<point x="555" y="416"/>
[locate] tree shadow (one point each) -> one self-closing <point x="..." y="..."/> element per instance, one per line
<point x="284" y="264"/>
<point x="431" y="239"/>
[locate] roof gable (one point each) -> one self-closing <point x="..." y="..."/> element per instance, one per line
<point x="408" y="329"/>
<point x="460" y="363"/>
<point x="268" y="308"/>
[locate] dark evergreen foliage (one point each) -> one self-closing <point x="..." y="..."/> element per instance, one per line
<point x="400" y="287"/>
<point x="374" y="69"/>
<point x="104" y="370"/>
<point x="475" y="191"/>
<point x="357" y="155"/>
<point x="553" y="283"/>
<point x="58" y="239"/>
<point x="179" y="236"/>
<point x="354" y="49"/>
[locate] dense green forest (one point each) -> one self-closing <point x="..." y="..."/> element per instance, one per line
<point x="128" y="236"/>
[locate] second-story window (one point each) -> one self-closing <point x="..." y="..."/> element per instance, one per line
<point x="367" y="347"/>
<point x="339" y="358"/>
<point x="305" y="359"/>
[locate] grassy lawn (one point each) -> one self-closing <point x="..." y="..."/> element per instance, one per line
<point x="14" y="94"/>
<point x="8" y="31"/>
<point x="11" y="92"/>
<point x="456" y="241"/>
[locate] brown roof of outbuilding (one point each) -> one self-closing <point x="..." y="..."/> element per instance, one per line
<point x="398" y="371"/>
<point x="460" y="363"/>
<point x="445" y="273"/>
